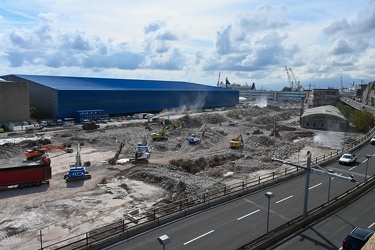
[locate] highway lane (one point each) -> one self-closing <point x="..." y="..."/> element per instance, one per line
<point x="230" y="225"/>
<point x="330" y="232"/>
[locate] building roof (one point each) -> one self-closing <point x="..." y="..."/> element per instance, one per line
<point x="87" y="83"/>
<point x="324" y="110"/>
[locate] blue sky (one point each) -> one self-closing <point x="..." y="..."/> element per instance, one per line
<point x="245" y="40"/>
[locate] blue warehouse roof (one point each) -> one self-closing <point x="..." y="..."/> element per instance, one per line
<point x="87" y="83"/>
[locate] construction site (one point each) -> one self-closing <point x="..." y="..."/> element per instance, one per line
<point x="103" y="174"/>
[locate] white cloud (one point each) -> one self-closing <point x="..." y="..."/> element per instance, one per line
<point x="248" y="41"/>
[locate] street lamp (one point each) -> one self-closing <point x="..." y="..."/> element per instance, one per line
<point x="164" y="240"/>
<point x="269" y="195"/>
<point x="368" y="159"/>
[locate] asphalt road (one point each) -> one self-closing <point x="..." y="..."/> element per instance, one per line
<point x="231" y="225"/>
<point x="329" y="233"/>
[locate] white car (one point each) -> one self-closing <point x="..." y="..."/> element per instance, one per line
<point x="372" y="141"/>
<point x="149" y="116"/>
<point x="347" y="159"/>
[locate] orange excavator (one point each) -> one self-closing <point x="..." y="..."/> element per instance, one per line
<point x="37" y="152"/>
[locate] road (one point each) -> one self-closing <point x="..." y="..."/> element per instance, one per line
<point x="231" y="225"/>
<point x="329" y="233"/>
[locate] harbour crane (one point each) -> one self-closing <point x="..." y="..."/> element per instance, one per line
<point x="289" y="79"/>
<point x="298" y="86"/>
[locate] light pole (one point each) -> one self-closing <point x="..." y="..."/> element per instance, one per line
<point x="368" y="159"/>
<point x="269" y="195"/>
<point x="164" y="240"/>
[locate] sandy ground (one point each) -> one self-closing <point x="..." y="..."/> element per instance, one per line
<point x="61" y="210"/>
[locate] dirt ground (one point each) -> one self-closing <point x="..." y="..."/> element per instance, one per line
<point x="176" y="169"/>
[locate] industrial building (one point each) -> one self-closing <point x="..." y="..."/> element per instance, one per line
<point x="14" y="101"/>
<point x="325" y="118"/>
<point x="61" y="96"/>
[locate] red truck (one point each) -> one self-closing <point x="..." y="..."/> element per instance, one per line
<point x="28" y="175"/>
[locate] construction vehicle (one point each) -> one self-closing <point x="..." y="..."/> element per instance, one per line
<point x="162" y="134"/>
<point x="28" y="175"/>
<point x="192" y="139"/>
<point x="77" y="171"/>
<point x="233" y="123"/>
<point x="90" y="125"/>
<point x="142" y="152"/>
<point x="37" y="151"/>
<point x="236" y="142"/>
<point x="67" y="149"/>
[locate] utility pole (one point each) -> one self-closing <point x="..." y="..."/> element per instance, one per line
<point x="308" y="169"/>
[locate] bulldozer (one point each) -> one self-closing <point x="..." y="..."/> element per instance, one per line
<point x="236" y="142"/>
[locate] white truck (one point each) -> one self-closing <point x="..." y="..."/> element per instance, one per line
<point x="347" y="159"/>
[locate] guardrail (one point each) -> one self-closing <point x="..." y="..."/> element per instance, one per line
<point x="117" y="231"/>
<point x="292" y="226"/>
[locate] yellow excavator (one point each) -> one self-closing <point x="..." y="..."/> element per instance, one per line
<point x="236" y="142"/>
<point x="162" y="134"/>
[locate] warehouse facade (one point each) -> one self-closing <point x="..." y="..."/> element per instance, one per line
<point x="14" y="101"/>
<point x="325" y="118"/>
<point x="61" y="96"/>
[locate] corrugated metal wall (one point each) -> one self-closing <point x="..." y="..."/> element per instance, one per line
<point x="127" y="102"/>
<point x="60" y="103"/>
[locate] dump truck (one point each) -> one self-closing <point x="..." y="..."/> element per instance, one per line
<point x="27" y="175"/>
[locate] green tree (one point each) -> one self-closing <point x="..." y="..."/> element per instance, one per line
<point x="363" y="120"/>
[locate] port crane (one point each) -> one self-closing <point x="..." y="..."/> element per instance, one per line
<point x="289" y="79"/>
<point x="298" y="86"/>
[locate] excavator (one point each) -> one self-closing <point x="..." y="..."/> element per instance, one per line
<point x="142" y="152"/>
<point x="193" y="139"/>
<point x="37" y="151"/>
<point x="162" y="134"/>
<point x="77" y="171"/>
<point x="236" y="142"/>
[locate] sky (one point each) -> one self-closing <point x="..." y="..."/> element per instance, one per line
<point x="325" y="43"/>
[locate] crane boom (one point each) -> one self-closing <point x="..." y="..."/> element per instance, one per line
<point x="298" y="84"/>
<point x="289" y="78"/>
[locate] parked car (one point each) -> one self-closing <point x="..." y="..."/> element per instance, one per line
<point x="372" y="141"/>
<point x="357" y="238"/>
<point x="149" y="116"/>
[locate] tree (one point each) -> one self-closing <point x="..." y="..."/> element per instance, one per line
<point x="363" y="120"/>
<point x="37" y="113"/>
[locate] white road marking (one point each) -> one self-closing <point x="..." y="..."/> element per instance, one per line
<point x="256" y="211"/>
<point x="353" y="167"/>
<point x="198" y="237"/>
<point x="371" y="225"/>
<point x="315" y="186"/>
<point x="284" y="199"/>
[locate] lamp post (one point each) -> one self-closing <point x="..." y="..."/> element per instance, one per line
<point x="368" y="159"/>
<point x="164" y="240"/>
<point x="269" y="195"/>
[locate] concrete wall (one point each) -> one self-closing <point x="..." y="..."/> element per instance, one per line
<point x="324" y="122"/>
<point x="14" y="102"/>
